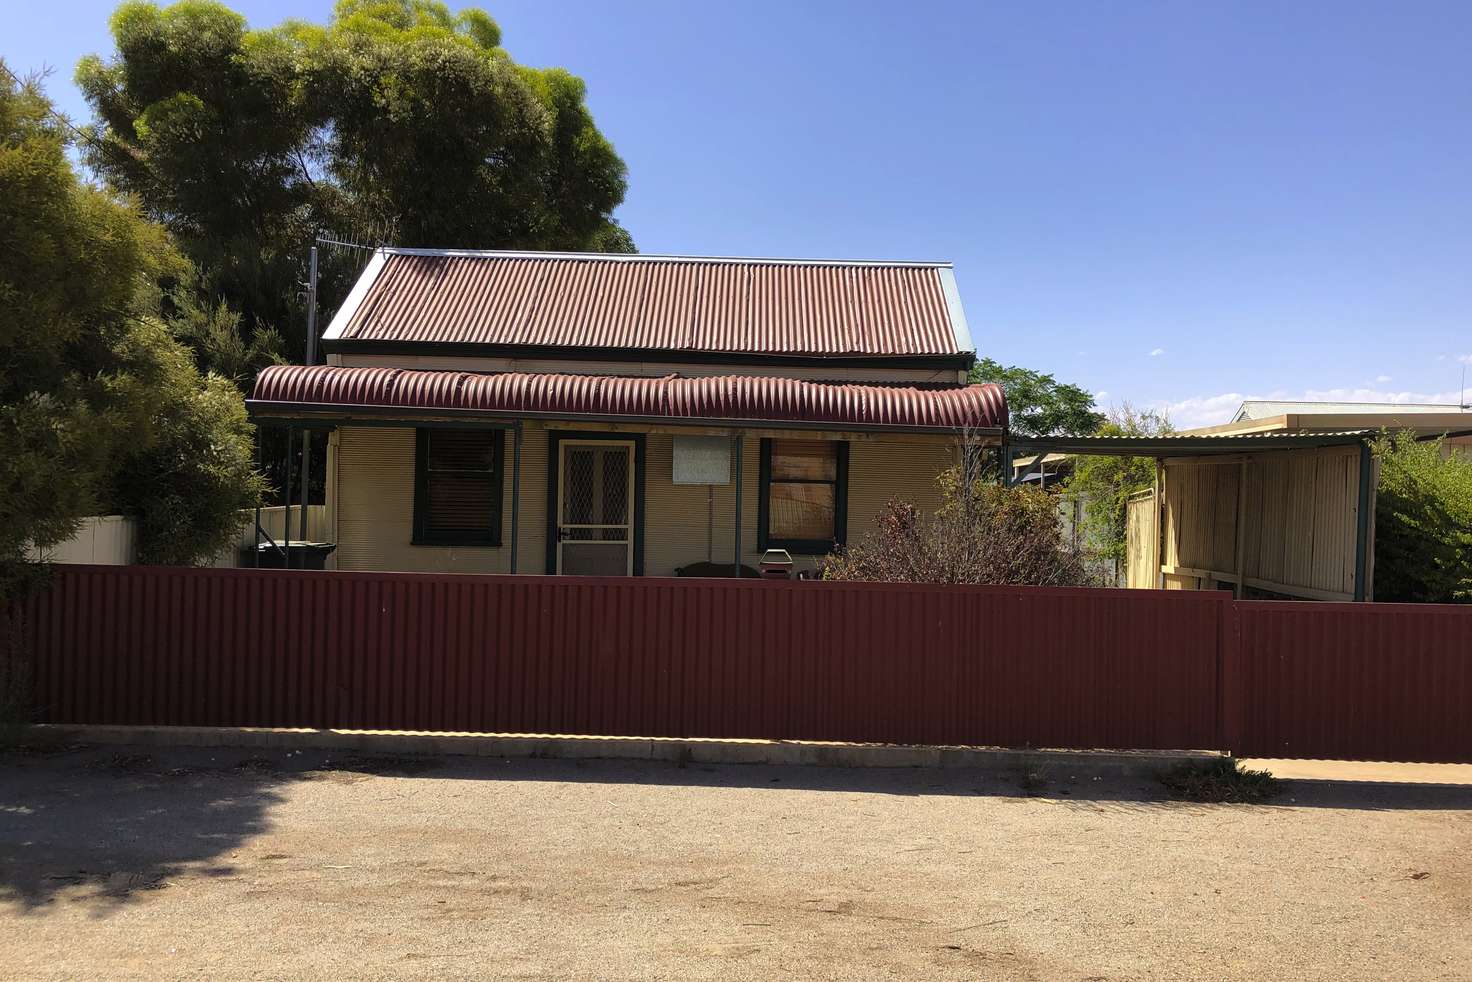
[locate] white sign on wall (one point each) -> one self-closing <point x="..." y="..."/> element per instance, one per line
<point x="702" y="460"/>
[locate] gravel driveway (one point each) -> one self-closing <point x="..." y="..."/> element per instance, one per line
<point x="232" y="864"/>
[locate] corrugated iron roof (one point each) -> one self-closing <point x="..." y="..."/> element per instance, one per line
<point x="1184" y="444"/>
<point x="1268" y="408"/>
<point x="297" y="390"/>
<point x="811" y="308"/>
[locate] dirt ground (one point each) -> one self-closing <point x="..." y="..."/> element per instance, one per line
<point x="233" y="864"/>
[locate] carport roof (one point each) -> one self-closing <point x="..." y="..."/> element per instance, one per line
<point x="1183" y="444"/>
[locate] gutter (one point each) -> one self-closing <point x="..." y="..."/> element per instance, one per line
<point x="958" y="361"/>
<point x="329" y="414"/>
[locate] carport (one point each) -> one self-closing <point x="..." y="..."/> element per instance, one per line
<point x="1261" y="514"/>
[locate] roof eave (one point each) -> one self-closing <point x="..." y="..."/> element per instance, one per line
<point x="1184" y="446"/>
<point x="956" y="361"/>
<point x="342" y="414"/>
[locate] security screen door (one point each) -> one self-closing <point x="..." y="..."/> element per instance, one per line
<point x="595" y="508"/>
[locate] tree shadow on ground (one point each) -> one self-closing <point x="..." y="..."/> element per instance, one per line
<point x="101" y="825"/>
<point x="104" y="825"/>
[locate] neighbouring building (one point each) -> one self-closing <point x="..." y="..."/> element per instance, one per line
<point x="1277" y="416"/>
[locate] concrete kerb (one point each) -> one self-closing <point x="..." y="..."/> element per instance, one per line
<point x="1035" y="763"/>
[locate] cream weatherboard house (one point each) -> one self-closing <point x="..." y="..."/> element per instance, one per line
<point x="499" y="412"/>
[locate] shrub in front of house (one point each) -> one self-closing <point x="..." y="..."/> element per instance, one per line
<point x="982" y="533"/>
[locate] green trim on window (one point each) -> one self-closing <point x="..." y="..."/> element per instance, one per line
<point x="802" y="547"/>
<point x="490" y="535"/>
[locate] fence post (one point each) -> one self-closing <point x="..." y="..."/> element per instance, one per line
<point x="1230" y="695"/>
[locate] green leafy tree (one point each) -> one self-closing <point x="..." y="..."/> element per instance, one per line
<point x="187" y="488"/>
<point x="92" y="383"/>
<point x="1038" y="404"/>
<point x="396" y="121"/>
<point x="1105" y="484"/>
<point x="1423" y="522"/>
<point x="213" y="333"/>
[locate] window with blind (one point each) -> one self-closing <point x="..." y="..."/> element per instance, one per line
<point x="457" y="487"/>
<point x="804" y="495"/>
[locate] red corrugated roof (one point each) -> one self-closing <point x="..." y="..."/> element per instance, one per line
<point x="294" y="390"/>
<point x="724" y="306"/>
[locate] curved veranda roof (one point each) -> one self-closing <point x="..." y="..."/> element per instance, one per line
<point x="340" y="393"/>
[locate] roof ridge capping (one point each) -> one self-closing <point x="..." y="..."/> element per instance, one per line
<point x="657" y="257"/>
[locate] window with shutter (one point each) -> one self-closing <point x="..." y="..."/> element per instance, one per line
<point x="457" y="487"/>
<point x="804" y="495"/>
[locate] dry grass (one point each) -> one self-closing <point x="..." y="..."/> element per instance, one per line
<point x="1221" y="781"/>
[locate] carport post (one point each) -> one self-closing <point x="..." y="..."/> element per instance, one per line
<point x="286" y="496"/>
<point x="736" y="542"/>
<point x="515" y="491"/>
<point x="311" y="360"/>
<point x="1362" y="525"/>
<point x="255" y="555"/>
<point x="1158" y="573"/>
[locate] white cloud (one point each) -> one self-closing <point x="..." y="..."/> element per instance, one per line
<point x="1213" y="410"/>
<point x="1369" y="394"/>
<point x="1382" y="379"/>
<point x="1203" y="410"/>
<point x="1156" y="352"/>
<point x="1100" y="395"/>
<point x="1465" y="359"/>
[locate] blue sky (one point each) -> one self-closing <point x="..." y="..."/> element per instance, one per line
<point x="1171" y="204"/>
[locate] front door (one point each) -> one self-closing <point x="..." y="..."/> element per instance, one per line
<point x="595" y="507"/>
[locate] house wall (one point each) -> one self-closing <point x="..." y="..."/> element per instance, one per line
<point x="373" y="504"/>
<point x="372" y="495"/>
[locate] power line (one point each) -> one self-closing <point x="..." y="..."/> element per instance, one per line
<point x="51" y="111"/>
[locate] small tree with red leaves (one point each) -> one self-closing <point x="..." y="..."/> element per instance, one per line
<point x="982" y="533"/>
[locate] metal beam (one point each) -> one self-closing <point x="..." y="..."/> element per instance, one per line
<point x="515" y="492"/>
<point x="310" y="360"/>
<point x="1362" y="526"/>
<point x="1184" y="445"/>
<point x="255" y="556"/>
<point x="736" y="542"/>
<point x="286" y="495"/>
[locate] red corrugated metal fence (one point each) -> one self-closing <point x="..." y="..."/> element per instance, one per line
<point x="647" y="657"/>
<point x="1351" y="681"/>
<point x="898" y="663"/>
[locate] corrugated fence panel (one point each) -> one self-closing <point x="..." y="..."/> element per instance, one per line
<point x="863" y="662"/>
<point x="646" y="657"/>
<point x="1353" y="681"/>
